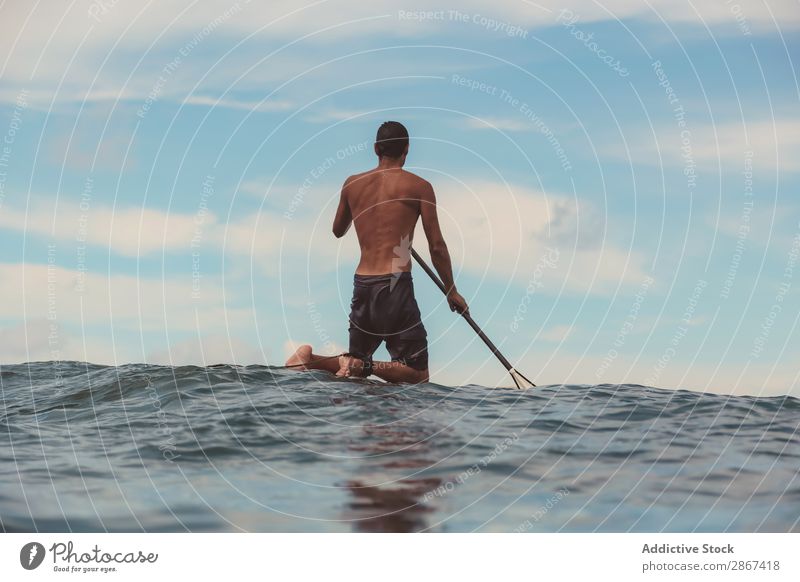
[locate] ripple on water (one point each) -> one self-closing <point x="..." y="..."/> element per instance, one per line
<point x="159" y="448"/>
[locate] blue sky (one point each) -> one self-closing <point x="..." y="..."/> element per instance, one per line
<point x="617" y="183"/>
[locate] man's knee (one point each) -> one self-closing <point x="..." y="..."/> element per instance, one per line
<point x="421" y="376"/>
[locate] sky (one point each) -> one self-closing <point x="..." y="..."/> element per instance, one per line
<point x="617" y="182"/>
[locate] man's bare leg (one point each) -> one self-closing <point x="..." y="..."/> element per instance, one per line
<point x="399" y="372"/>
<point x="304" y="359"/>
<point x="389" y="371"/>
<point x="341" y="365"/>
<point x="347" y="366"/>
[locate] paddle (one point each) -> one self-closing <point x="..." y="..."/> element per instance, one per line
<point x="521" y="381"/>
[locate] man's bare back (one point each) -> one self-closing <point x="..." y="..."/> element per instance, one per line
<point x="385" y="205"/>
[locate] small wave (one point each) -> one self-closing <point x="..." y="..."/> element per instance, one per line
<point x="160" y="448"/>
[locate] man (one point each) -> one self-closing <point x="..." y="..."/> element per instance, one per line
<point x="384" y="204"/>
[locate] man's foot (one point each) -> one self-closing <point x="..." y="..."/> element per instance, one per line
<point x="350" y="367"/>
<point x="300" y="358"/>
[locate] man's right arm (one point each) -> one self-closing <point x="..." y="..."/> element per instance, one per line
<point x="344" y="216"/>
<point x="439" y="253"/>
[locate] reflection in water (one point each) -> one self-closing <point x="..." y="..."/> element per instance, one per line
<point x="396" y="505"/>
<point x="396" y="508"/>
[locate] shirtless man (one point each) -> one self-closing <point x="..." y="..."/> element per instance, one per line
<point x="384" y="204"/>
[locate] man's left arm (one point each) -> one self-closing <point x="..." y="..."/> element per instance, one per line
<point x="344" y="218"/>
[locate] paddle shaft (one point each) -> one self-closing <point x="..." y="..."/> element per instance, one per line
<point x="465" y="315"/>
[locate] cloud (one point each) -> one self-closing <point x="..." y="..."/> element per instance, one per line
<point x="129" y="231"/>
<point x="38" y="339"/>
<point x="495" y="230"/>
<point x="60" y="50"/>
<point x="114" y="301"/>
<point x="501" y="231"/>
<point x="733" y="377"/>
<point x="773" y="143"/>
<point x="374" y="114"/>
<point x="338" y="114"/>
<point x="253" y="106"/>
<point x="498" y="123"/>
<point x="31" y="341"/>
<point x="80" y="153"/>
<point x="556" y="334"/>
<point x="265" y="236"/>
<point x="512" y="231"/>
<point x="139" y="232"/>
<point x="208" y="350"/>
<point x="562" y="366"/>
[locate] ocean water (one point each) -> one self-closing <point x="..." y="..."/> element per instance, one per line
<point x="156" y="448"/>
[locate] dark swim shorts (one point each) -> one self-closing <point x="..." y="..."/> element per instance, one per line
<point x="384" y="309"/>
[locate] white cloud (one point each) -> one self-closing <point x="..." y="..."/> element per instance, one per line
<point x="86" y="153"/>
<point x="139" y="232"/>
<point x="276" y="194"/>
<point x="337" y="114"/>
<point x="508" y="231"/>
<point x="30" y="341"/>
<point x="503" y="232"/>
<point x="774" y="144"/>
<point x="561" y="366"/>
<point x="495" y="230"/>
<point x="499" y="123"/>
<point x="260" y="106"/>
<point x="500" y="231"/>
<point x="38" y="339"/>
<point x="266" y="236"/>
<point x="43" y="42"/>
<point x="128" y="231"/>
<point x="556" y="334"/>
<point x="208" y="350"/>
<point x="732" y="377"/>
<point x="36" y="291"/>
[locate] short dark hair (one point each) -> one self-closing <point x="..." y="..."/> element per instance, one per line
<point x="392" y="139"/>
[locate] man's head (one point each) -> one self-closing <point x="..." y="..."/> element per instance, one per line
<point x="392" y="140"/>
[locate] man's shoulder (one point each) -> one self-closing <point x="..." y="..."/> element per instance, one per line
<point x="412" y="181"/>
<point x="419" y="185"/>
<point x="355" y="177"/>
<point x="414" y="178"/>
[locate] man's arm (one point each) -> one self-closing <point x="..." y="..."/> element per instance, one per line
<point x="344" y="218"/>
<point x="439" y="253"/>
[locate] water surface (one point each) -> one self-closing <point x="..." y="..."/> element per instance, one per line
<point x="139" y="447"/>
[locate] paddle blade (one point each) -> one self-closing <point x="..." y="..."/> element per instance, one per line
<point x="521" y="381"/>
